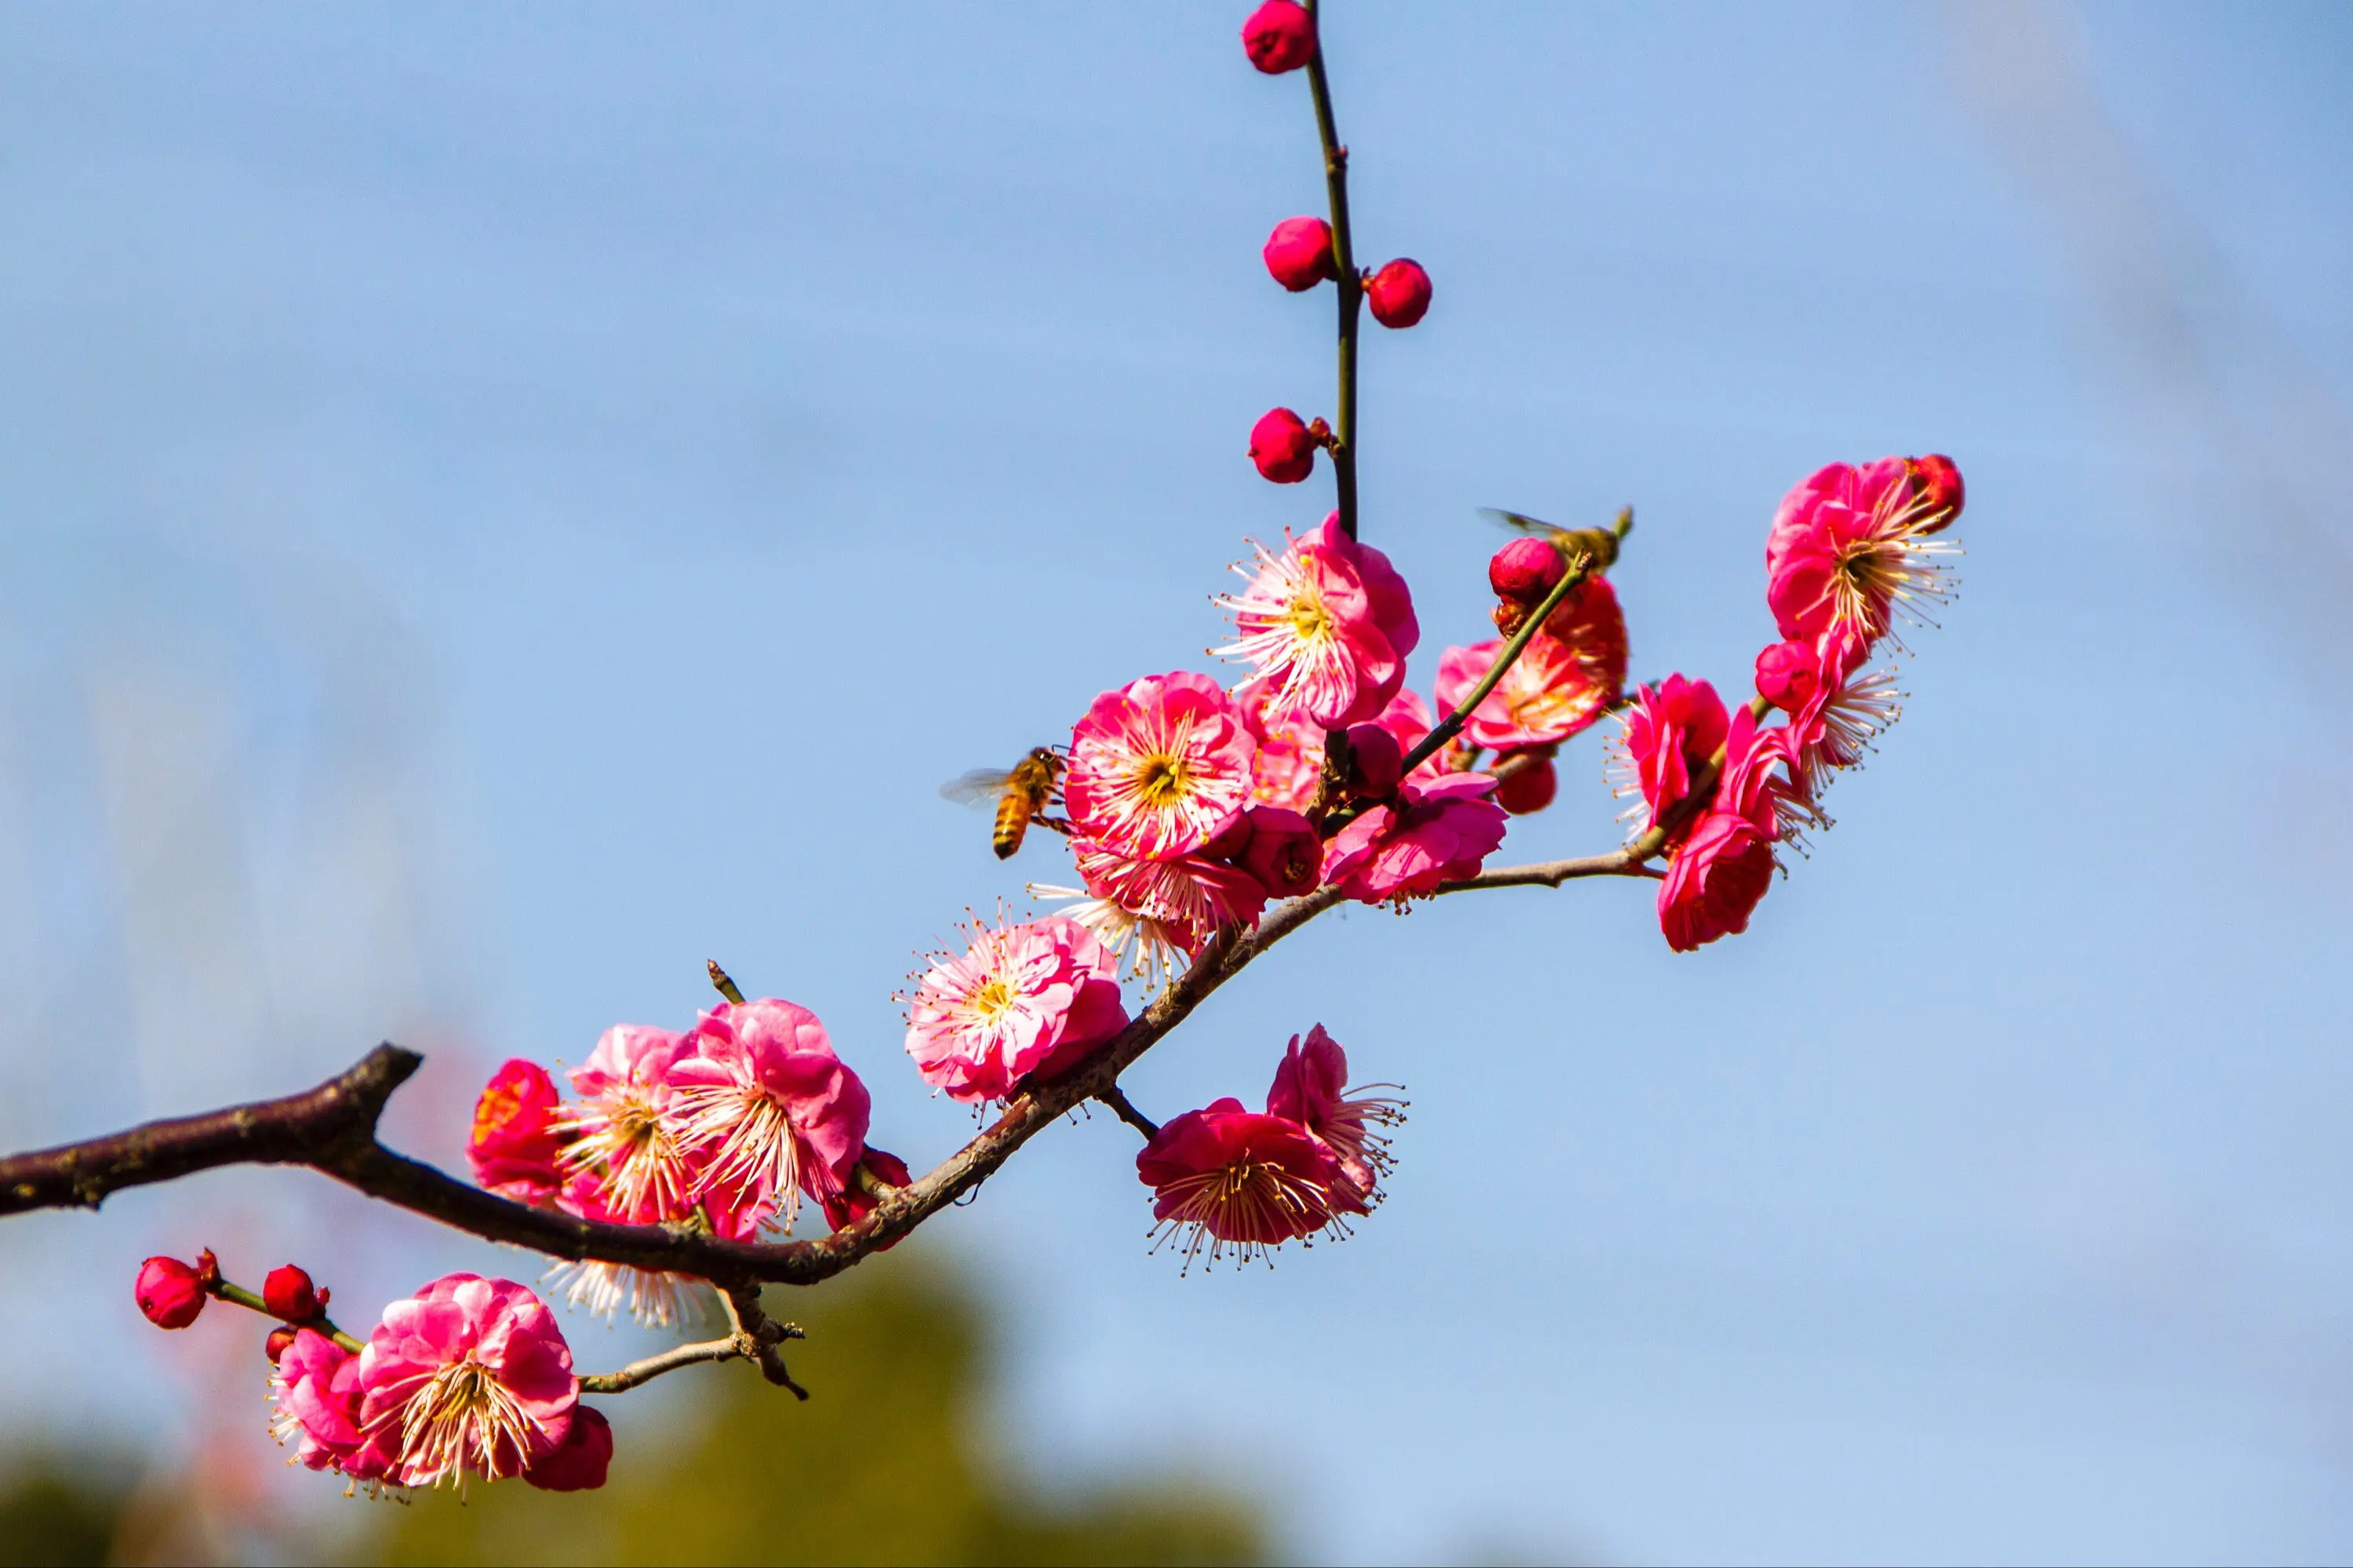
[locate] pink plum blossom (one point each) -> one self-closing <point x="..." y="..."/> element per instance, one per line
<point x="854" y="1202"/>
<point x="1433" y="833"/>
<point x="317" y="1390"/>
<point x="1159" y="767"/>
<point x="1285" y="852"/>
<point x="1284" y="447"/>
<point x="1721" y="868"/>
<point x="579" y="1463"/>
<point x="767" y="1104"/>
<point x="619" y="1133"/>
<point x="468" y="1377"/>
<point x="1152" y="912"/>
<point x="1326" y="625"/>
<point x="1022" y="998"/>
<point x="1278" y="37"/>
<point x="518" y="1136"/>
<point x="1547" y="695"/>
<point x="1224" y="1178"/>
<point x="1310" y="1088"/>
<point x="1668" y="734"/>
<point x="1835" y="707"/>
<point x="1849" y="549"/>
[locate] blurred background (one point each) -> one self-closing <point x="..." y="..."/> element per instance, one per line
<point x="500" y="504"/>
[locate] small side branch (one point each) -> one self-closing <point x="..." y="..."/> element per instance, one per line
<point x="1116" y="1098"/>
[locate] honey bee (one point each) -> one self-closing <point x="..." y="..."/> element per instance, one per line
<point x="1601" y="544"/>
<point x="1021" y="796"/>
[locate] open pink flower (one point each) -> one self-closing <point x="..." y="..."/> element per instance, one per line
<point x="317" y="1392"/>
<point x="1160" y="766"/>
<point x="1223" y="1177"/>
<point x="1290" y="762"/>
<point x="1668" y="734"/>
<point x="1720" y="871"/>
<point x="1851" y="549"/>
<point x="1549" y="693"/>
<point x="468" y="1377"/>
<point x="618" y="1134"/>
<point x="1148" y="912"/>
<point x="1310" y="1088"/>
<point x="1022" y="998"/>
<point x="1430" y="834"/>
<point x="1835" y="707"/>
<point x="768" y="1105"/>
<point x="519" y="1134"/>
<point x="1326" y="624"/>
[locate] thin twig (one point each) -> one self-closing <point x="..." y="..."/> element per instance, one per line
<point x="637" y="1374"/>
<point x="1351" y="286"/>
<point x="1505" y="657"/>
<point x="1124" y="1109"/>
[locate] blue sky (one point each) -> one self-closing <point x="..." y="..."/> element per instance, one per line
<point x="499" y="505"/>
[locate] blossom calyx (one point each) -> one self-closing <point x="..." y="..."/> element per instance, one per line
<point x="1398" y="293"/>
<point x="1278" y="37"/>
<point x="1284" y="446"/>
<point x="170" y="1293"/>
<point x="289" y="1295"/>
<point x="1299" y="253"/>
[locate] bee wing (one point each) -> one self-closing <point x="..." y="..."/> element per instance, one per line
<point x="1521" y="523"/>
<point x="981" y="786"/>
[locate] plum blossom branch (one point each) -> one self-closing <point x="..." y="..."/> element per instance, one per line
<point x="1350" y="284"/>
<point x="754" y="1337"/>
<point x="1124" y="1109"/>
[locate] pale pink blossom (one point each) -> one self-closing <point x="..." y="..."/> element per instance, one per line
<point x="1032" y="998"/>
<point x="1326" y="625"/>
<point x="1430" y="834"/>
<point x="1310" y="1088"/>
<point x="619" y="1131"/>
<point x="1851" y="549"/>
<point x="769" y="1108"/>
<point x="1667" y="736"/>
<point x="1160" y="766"/>
<point x="1225" y="1178"/>
<point x="468" y="1377"/>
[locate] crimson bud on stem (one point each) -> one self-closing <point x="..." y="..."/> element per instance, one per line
<point x="1531" y="788"/>
<point x="1398" y="293"/>
<point x="1283" y="447"/>
<point x="1525" y="570"/>
<point x="1299" y="253"/>
<point x="1278" y="37"/>
<point x="1786" y="674"/>
<point x="169" y="1292"/>
<point x="288" y="1294"/>
<point x="280" y="1338"/>
<point x="1374" y="761"/>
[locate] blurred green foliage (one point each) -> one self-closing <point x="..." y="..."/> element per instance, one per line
<point x="53" y="1510"/>
<point x="894" y="1460"/>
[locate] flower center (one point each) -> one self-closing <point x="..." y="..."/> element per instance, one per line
<point x="1163" y="778"/>
<point x="992" y="998"/>
<point x="1309" y="621"/>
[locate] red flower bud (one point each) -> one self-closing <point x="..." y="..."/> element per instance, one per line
<point x="1375" y="761"/>
<point x="1786" y="674"/>
<point x="169" y="1292"/>
<point x="288" y="1294"/>
<point x="1938" y="481"/>
<point x="577" y="1463"/>
<point x="1530" y="789"/>
<point x="1278" y="37"/>
<point x="854" y="1202"/>
<point x="1299" y="253"/>
<point x="275" y="1346"/>
<point x="1230" y="842"/>
<point x="1525" y="570"/>
<point x="1283" y="447"/>
<point x="1398" y="293"/>
<point x="1286" y="853"/>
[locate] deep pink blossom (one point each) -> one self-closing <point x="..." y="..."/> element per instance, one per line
<point x="1278" y="37"/>
<point x="1835" y="706"/>
<point x="1721" y="868"/>
<point x="518" y="1134"/>
<point x="1033" y="998"/>
<point x="1299" y="253"/>
<point x="1150" y="911"/>
<point x="1159" y="767"/>
<point x="468" y="1377"/>
<point x="1290" y="756"/>
<point x="1849" y="550"/>
<point x="1548" y="695"/>
<point x="1224" y="1178"/>
<point x="1311" y="1088"/>
<point x="1669" y="733"/>
<point x="579" y="1463"/>
<point x="1376" y="760"/>
<point x="1398" y="293"/>
<point x="1285" y="852"/>
<point x="317" y="1393"/>
<point x="169" y="1292"/>
<point x="1326" y="624"/>
<point x="1432" y="833"/>
<point x="764" y="1099"/>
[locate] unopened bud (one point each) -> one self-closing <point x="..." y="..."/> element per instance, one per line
<point x="1398" y="293"/>
<point x="1526" y="571"/>
<point x="1786" y="674"/>
<point x="1286" y="855"/>
<point x="170" y="1293"/>
<point x="1278" y="37"/>
<point x="1528" y="787"/>
<point x="1376" y="761"/>
<point x="1299" y="253"/>
<point x="1283" y="447"/>
<point x="288" y="1293"/>
<point x="275" y="1346"/>
<point x="1937" y="480"/>
<point x="1231" y="840"/>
